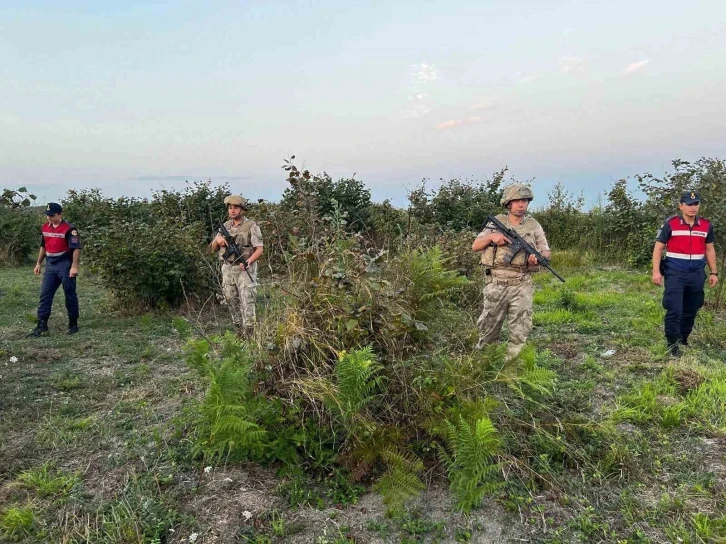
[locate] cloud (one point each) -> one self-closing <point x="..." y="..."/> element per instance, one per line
<point x="458" y="122"/>
<point x="425" y="72"/>
<point x="635" y="66"/>
<point x="571" y="64"/>
<point x="417" y="110"/>
<point x="565" y="36"/>
<point x="482" y="105"/>
<point x="526" y="79"/>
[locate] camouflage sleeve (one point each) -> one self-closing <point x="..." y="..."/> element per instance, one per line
<point x="540" y="240"/>
<point x="256" y="236"/>
<point x="485" y="232"/>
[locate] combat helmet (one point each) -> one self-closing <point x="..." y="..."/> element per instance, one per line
<point x="516" y="192"/>
<point x="235" y="200"/>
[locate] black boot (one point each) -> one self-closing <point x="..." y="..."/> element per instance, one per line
<point x="673" y="347"/>
<point x="40" y="328"/>
<point x="72" y="325"/>
<point x="684" y="341"/>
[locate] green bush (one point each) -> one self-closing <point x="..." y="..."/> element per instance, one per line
<point x="19" y="227"/>
<point x="151" y="252"/>
<point x="156" y="262"/>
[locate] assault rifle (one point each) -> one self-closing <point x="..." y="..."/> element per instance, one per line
<point x="231" y="250"/>
<point x="518" y="244"/>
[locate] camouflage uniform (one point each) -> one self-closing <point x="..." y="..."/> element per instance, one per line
<point x="239" y="291"/>
<point x="509" y="289"/>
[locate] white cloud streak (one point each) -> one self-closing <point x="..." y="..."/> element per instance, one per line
<point x="425" y="72"/>
<point x="565" y="36"/>
<point x="458" y="122"/>
<point x="635" y="66"/>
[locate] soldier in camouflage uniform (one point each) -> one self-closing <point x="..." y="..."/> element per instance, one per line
<point x="509" y="290"/>
<point x="238" y="286"/>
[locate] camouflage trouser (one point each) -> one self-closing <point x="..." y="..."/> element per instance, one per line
<point x="240" y="293"/>
<point x="511" y="299"/>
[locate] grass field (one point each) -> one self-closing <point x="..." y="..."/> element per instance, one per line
<point x="94" y="447"/>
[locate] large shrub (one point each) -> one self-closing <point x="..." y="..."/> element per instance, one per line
<point x="160" y="261"/>
<point x="348" y="197"/>
<point x="457" y="204"/>
<point x="19" y="226"/>
<point x="199" y="202"/>
<point x="148" y="252"/>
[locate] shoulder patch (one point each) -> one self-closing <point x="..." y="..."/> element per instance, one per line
<point x="74" y="232"/>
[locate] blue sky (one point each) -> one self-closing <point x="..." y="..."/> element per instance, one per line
<point x="134" y="97"/>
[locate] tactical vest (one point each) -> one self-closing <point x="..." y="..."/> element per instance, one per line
<point x="497" y="256"/>
<point x="242" y="234"/>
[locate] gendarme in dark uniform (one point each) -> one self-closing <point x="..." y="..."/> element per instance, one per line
<point x="688" y="240"/>
<point x="60" y="246"/>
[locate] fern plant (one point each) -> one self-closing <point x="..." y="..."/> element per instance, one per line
<point x="230" y="412"/>
<point x="431" y="283"/>
<point x="357" y="379"/>
<point x="401" y="480"/>
<point x="471" y="463"/>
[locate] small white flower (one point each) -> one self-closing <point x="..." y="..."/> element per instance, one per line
<point x="207" y="470"/>
<point x="193" y="537"/>
<point x="247" y="515"/>
<point x="13" y="359"/>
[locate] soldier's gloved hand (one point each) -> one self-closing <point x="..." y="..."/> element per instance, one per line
<point x="219" y="240"/>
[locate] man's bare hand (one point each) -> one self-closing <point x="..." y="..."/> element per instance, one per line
<point x="499" y="239"/>
<point x="220" y="241"/>
<point x="36" y="270"/>
<point x="657" y="278"/>
<point x="532" y="260"/>
<point x="712" y="280"/>
<point x="74" y="272"/>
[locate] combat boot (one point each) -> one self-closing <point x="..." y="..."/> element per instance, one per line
<point x="40" y="328"/>
<point x="673" y="347"/>
<point x="72" y="325"/>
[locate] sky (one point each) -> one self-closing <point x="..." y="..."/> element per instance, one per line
<point x="135" y="97"/>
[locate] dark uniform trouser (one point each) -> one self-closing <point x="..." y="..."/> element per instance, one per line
<point x="57" y="274"/>
<point x="682" y="298"/>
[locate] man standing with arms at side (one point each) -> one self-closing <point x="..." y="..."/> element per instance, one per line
<point x="239" y="283"/>
<point x="60" y="247"/>
<point x="688" y="241"/>
<point x="509" y="290"/>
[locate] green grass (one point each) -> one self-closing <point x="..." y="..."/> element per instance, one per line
<point x="96" y="433"/>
